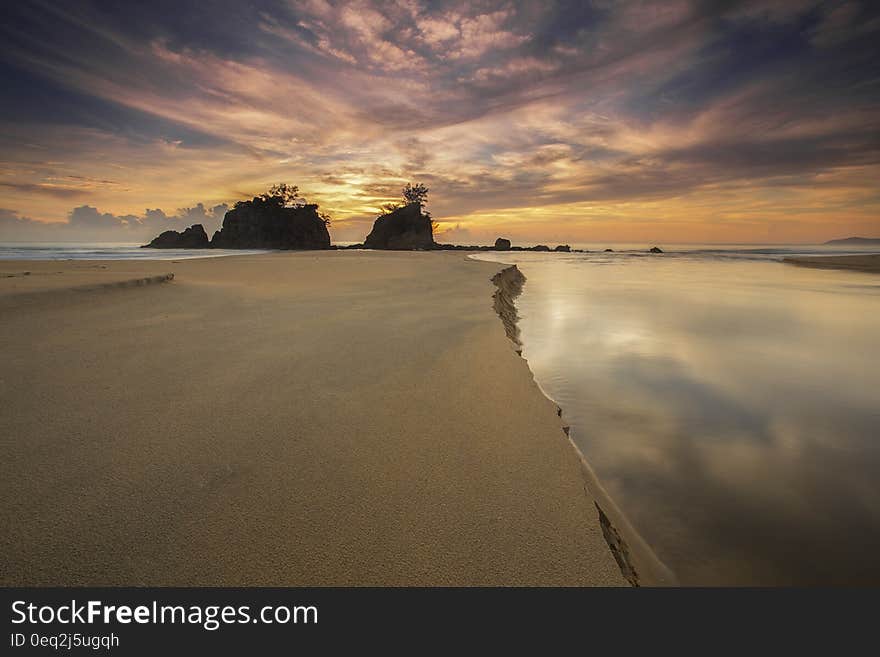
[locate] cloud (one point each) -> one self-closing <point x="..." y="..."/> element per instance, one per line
<point x="482" y="33"/>
<point x="455" y="234"/>
<point x="16" y="228"/>
<point x="88" y="217"/>
<point x="42" y="188"/>
<point x="499" y="106"/>
<point x="86" y="223"/>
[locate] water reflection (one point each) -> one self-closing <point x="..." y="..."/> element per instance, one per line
<point x="731" y="407"/>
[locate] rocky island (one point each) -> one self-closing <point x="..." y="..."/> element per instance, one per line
<point x="258" y="224"/>
<point x="193" y="237"/>
<point x="281" y="219"/>
<point x="278" y="219"/>
<point x="405" y="228"/>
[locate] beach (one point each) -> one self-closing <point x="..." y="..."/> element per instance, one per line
<point x="309" y="418"/>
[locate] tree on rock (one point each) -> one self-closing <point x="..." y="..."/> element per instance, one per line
<point x="406" y="227"/>
<point x="277" y="219"/>
<point x="285" y="195"/>
<point x="417" y="193"/>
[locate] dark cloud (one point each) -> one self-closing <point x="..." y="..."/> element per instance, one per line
<point x="29" y="98"/>
<point x="59" y="191"/>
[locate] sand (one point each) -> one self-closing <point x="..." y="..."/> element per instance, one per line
<point x="284" y="419"/>
<point x="865" y="263"/>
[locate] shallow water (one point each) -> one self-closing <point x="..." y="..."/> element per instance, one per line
<point x="729" y="403"/>
<point x="105" y="251"/>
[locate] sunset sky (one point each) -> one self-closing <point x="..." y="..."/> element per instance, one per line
<point x="547" y="121"/>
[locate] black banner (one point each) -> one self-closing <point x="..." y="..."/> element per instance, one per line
<point x="126" y="621"/>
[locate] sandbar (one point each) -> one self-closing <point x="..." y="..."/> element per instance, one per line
<point x="309" y="418"/>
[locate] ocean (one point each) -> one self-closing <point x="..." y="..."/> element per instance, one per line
<point x="130" y="250"/>
<point x="729" y="403"/>
<point x="105" y="251"/>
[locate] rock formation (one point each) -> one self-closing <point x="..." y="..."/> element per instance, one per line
<point x="509" y="282"/>
<point x="502" y="244"/>
<point x="563" y="248"/>
<point x="267" y="224"/>
<point x="193" y="237"/>
<point x="406" y="228"/>
<point x="656" y="249"/>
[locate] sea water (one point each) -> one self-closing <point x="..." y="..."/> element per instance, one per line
<point x="729" y="403"/>
<point x="105" y="251"/>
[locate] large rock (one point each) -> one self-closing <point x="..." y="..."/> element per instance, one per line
<point x="265" y="224"/>
<point x="502" y="244"/>
<point x="193" y="237"/>
<point x="404" y="229"/>
<point x="656" y="249"/>
<point x="563" y="248"/>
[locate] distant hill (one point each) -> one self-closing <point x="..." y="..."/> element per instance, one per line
<point x="855" y="240"/>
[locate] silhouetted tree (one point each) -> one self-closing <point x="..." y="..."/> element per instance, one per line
<point x="284" y="195"/>
<point x="417" y="193"/>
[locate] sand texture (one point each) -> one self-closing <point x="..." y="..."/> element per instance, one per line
<point x="283" y="419"/>
<point x="865" y="263"/>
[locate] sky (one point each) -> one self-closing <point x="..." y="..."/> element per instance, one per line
<point x="551" y="121"/>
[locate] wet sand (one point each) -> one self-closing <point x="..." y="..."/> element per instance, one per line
<point x="284" y="419"/>
<point x="866" y="263"/>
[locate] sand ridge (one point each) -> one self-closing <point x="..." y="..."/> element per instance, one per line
<point x="864" y="263"/>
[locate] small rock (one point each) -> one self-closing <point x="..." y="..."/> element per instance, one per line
<point x="193" y="237"/>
